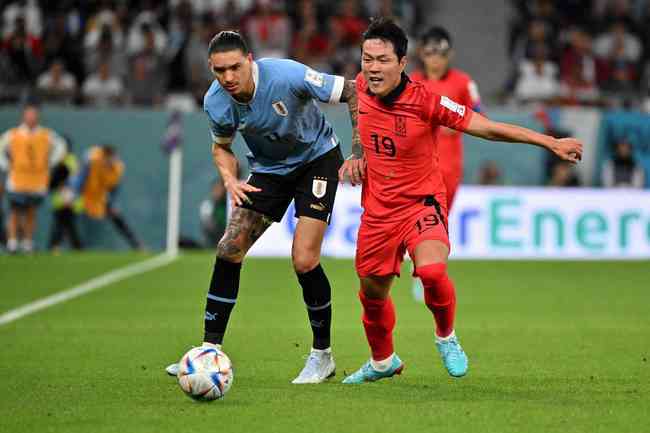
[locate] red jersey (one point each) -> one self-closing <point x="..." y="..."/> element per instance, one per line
<point x="399" y="142"/>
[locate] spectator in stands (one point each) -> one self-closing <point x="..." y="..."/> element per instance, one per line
<point x="348" y="25"/>
<point x="61" y="43"/>
<point x="213" y="214"/>
<point x="411" y="15"/>
<point x="578" y="70"/>
<point x="97" y="184"/>
<point x="538" y="34"/>
<point x="146" y="22"/>
<point x="195" y="67"/>
<point x="144" y="89"/>
<point x="103" y="89"/>
<point x="105" y="19"/>
<point x="27" y="10"/>
<point x="310" y="45"/>
<point x="57" y="85"/>
<point x="268" y="30"/>
<point x="24" y="52"/>
<point x="345" y="29"/>
<point x="27" y="153"/>
<point x="537" y="79"/>
<point x="619" y="53"/>
<point x="106" y="52"/>
<point x="181" y="35"/>
<point x="622" y="170"/>
<point x="147" y="78"/>
<point x="489" y="174"/>
<point x="607" y="12"/>
<point x="619" y="42"/>
<point x="216" y="7"/>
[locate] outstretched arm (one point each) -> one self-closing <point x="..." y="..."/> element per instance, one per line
<point x="354" y="166"/>
<point x="568" y="149"/>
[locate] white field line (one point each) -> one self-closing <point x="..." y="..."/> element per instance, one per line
<point x="87" y="287"/>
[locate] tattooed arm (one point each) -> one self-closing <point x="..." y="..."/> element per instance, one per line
<point x="353" y="169"/>
<point x="227" y="164"/>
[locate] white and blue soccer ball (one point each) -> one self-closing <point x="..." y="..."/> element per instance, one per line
<point x="205" y="373"/>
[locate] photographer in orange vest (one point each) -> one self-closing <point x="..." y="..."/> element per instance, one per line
<point x="97" y="184"/>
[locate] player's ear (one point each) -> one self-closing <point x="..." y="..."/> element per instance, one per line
<point x="450" y="55"/>
<point x="402" y="63"/>
<point x="249" y="57"/>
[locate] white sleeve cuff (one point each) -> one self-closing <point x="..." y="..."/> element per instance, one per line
<point x="337" y="90"/>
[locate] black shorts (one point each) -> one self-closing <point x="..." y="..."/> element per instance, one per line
<point x="312" y="186"/>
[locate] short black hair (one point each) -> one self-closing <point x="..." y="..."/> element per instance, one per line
<point x="387" y="30"/>
<point x="436" y="35"/>
<point x="227" y="40"/>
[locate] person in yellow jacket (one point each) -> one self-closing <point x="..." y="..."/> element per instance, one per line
<point x="27" y="152"/>
<point x="97" y="184"/>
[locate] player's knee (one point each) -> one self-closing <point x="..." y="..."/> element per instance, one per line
<point x="304" y="261"/>
<point x="375" y="288"/>
<point x="438" y="288"/>
<point x="230" y="250"/>
<point x="432" y="275"/>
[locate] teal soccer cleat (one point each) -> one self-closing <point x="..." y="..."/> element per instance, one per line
<point x="368" y="374"/>
<point x="452" y="356"/>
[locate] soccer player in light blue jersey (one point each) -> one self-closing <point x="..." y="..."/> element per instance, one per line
<point x="294" y="155"/>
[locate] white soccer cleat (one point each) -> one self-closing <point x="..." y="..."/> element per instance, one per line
<point x="172" y="369"/>
<point x="319" y="367"/>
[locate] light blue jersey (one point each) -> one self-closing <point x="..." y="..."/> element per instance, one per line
<point x="282" y="125"/>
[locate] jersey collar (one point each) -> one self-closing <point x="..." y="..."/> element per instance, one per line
<point x="395" y="93"/>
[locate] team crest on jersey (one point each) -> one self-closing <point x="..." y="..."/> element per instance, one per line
<point x="400" y="126"/>
<point x="319" y="187"/>
<point x="280" y="108"/>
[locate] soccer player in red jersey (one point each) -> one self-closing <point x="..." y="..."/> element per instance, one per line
<point x="403" y="194"/>
<point x="439" y="77"/>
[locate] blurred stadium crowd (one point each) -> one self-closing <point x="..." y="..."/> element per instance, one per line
<point x="581" y="52"/>
<point x="146" y="52"/>
<point x="149" y="53"/>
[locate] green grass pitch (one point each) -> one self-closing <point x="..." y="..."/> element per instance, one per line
<point x="553" y="347"/>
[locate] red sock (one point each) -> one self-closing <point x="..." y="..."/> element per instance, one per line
<point x="439" y="295"/>
<point x="378" y="321"/>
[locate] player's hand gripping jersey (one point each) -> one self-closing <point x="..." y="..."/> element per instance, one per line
<point x="403" y="196"/>
<point x="282" y="125"/>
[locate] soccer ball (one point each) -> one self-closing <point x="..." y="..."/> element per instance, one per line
<point x="205" y="373"/>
